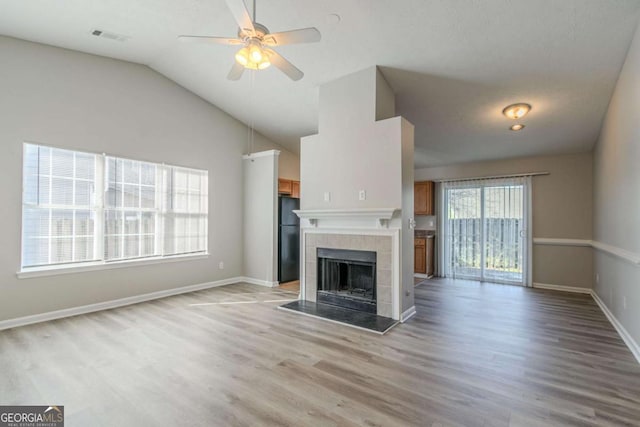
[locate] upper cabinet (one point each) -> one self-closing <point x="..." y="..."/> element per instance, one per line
<point x="423" y="198"/>
<point x="284" y="186"/>
<point x="288" y="187"/>
<point x="295" y="189"/>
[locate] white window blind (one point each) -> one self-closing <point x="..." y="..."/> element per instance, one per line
<point x="58" y="225"/>
<point x="185" y="219"/>
<point x="131" y="209"/>
<point x="88" y="208"/>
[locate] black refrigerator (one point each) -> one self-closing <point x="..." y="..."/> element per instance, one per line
<point x="288" y="240"/>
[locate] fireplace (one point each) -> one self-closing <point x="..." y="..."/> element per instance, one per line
<point x="347" y="278"/>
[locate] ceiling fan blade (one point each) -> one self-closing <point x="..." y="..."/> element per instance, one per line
<point x="303" y="35"/>
<point x="241" y="15"/>
<point x="236" y="71"/>
<point x="207" y="39"/>
<point x="283" y="65"/>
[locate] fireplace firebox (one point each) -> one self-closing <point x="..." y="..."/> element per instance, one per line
<point x="347" y="278"/>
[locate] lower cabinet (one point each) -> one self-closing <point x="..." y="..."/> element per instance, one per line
<point x="420" y="255"/>
<point x="430" y="256"/>
<point x="423" y="250"/>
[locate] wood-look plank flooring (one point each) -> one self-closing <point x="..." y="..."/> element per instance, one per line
<point x="474" y="355"/>
<point x="293" y="286"/>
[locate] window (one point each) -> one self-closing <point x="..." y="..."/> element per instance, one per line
<point x="83" y="208"/>
<point x="185" y="221"/>
<point x="58" y="207"/>
<point x="131" y="211"/>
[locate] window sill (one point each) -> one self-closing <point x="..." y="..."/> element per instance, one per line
<point x="97" y="266"/>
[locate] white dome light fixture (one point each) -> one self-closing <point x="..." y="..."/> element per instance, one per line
<point x="516" y="111"/>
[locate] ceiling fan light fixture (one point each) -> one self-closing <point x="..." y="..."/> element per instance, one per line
<point x="242" y="56"/>
<point x="516" y="111"/>
<point x="256" y="42"/>
<point x="256" y="54"/>
<point x="265" y="63"/>
<point x="253" y="56"/>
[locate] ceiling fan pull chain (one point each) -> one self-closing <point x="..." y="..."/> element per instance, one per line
<point x="252" y="135"/>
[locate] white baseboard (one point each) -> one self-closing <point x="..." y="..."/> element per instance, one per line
<point x="408" y="314"/>
<point x="74" y="311"/>
<point x="626" y="337"/>
<point x="259" y="282"/>
<point x="420" y="276"/>
<point x="563" y="288"/>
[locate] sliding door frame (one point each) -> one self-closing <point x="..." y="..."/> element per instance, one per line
<point x="524" y="235"/>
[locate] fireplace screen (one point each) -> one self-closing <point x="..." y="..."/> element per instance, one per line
<point x="347" y="278"/>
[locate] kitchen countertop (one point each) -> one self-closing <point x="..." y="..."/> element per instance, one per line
<point x="423" y="234"/>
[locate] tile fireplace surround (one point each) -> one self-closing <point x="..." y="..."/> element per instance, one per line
<point x="381" y="244"/>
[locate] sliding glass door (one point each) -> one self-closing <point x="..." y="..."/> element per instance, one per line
<point x="486" y="232"/>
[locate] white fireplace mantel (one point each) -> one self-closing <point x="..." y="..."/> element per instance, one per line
<point x="382" y="216"/>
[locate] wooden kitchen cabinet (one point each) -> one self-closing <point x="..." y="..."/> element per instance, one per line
<point x="285" y="186"/>
<point x="430" y="256"/>
<point x="423" y="252"/>
<point x="295" y="189"/>
<point x="420" y="255"/>
<point x="289" y="187"/>
<point x="423" y="198"/>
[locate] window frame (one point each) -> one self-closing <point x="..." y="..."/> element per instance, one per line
<point x="99" y="209"/>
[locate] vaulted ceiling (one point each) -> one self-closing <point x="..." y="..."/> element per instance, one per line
<point x="453" y="64"/>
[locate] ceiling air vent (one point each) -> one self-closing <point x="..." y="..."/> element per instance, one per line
<point x="110" y="35"/>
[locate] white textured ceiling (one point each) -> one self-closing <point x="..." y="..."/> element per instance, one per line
<point x="454" y="64"/>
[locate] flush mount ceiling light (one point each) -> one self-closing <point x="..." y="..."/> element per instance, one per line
<point x="257" y="41"/>
<point x="516" y="111"/>
<point x="517" y="127"/>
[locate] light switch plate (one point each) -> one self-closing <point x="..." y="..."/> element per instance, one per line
<point x="362" y="195"/>
<point x="327" y="196"/>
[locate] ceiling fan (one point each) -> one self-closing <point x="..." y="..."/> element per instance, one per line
<point x="256" y="42"/>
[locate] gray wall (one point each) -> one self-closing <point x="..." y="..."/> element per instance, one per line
<point x="616" y="202"/>
<point x="84" y="102"/>
<point x="562" y="209"/>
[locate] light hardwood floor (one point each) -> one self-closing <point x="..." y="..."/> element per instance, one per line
<point x="474" y="355"/>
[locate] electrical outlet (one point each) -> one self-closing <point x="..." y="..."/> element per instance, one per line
<point x="362" y="195"/>
<point x="327" y="196"/>
<point x="221" y="265"/>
